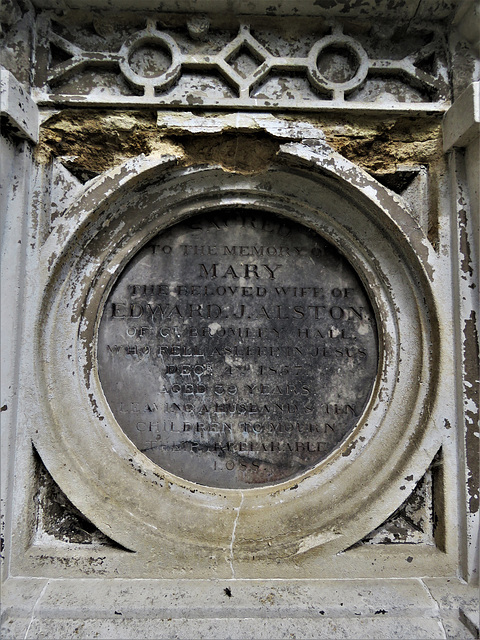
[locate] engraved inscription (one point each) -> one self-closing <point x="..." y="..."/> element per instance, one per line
<point x="237" y="349"/>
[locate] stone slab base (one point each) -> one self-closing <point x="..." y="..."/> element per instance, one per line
<point x="254" y="609"/>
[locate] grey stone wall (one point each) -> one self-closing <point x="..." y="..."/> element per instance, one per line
<point x="360" y="123"/>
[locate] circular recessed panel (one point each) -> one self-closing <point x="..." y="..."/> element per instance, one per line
<point x="150" y="60"/>
<point x="337" y="64"/>
<point x="237" y="349"/>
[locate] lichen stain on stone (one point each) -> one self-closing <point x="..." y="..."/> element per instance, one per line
<point x="239" y="153"/>
<point x="411" y="522"/>
<point x="97" y="140"/>
<point x="349" y="449"/>
<point x="380" y="144"/>
<point x="58" y="518"/>
<point x="92" y="141"/>
<point x="471" y="364"/>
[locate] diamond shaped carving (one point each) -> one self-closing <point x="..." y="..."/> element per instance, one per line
<point x="155" y="69"/>
<point x="245" y="61"/>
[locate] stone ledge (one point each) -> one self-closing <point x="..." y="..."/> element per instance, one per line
<point x="461" y="123"/>
<point x="398" y="9"/>
<point x="17" y="106"/>
<point x="232" y="628"/>
<point x="157" y="609"/>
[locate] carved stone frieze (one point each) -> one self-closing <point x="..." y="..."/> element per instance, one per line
<point x="178" y="62"/>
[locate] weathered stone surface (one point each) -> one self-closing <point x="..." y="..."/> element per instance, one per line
<point x="104" y="181"/>
<point x="262" y="609"/>
<point x="237" y="349"/>
<point x="305" y="517"/>
<point x="141" y="59"/>
<point x="17" y="107"/>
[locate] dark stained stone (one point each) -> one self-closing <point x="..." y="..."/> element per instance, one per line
<point x="237" y="349"/>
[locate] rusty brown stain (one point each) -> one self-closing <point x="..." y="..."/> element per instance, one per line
<point x="472" y="380"/>
<point x="240" y="153"/>
<point x="380" y="144"/>
<point x="96" y="140"/>
<point x="92" y="141"/>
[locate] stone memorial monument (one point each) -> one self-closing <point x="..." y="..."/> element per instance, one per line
<point x="209" y="352"/>
<point x="240" y="356"/>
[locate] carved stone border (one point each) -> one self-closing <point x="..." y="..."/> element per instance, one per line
<point x="163" y="90"/>
<point x="179" y="524"/>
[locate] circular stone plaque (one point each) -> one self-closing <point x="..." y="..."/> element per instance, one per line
<point x="237" y="349"/>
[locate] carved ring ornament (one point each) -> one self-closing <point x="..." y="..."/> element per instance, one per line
<point x="156" y="38"/>
<point x="333" y="504"/>
<point x="242" y="72"/>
